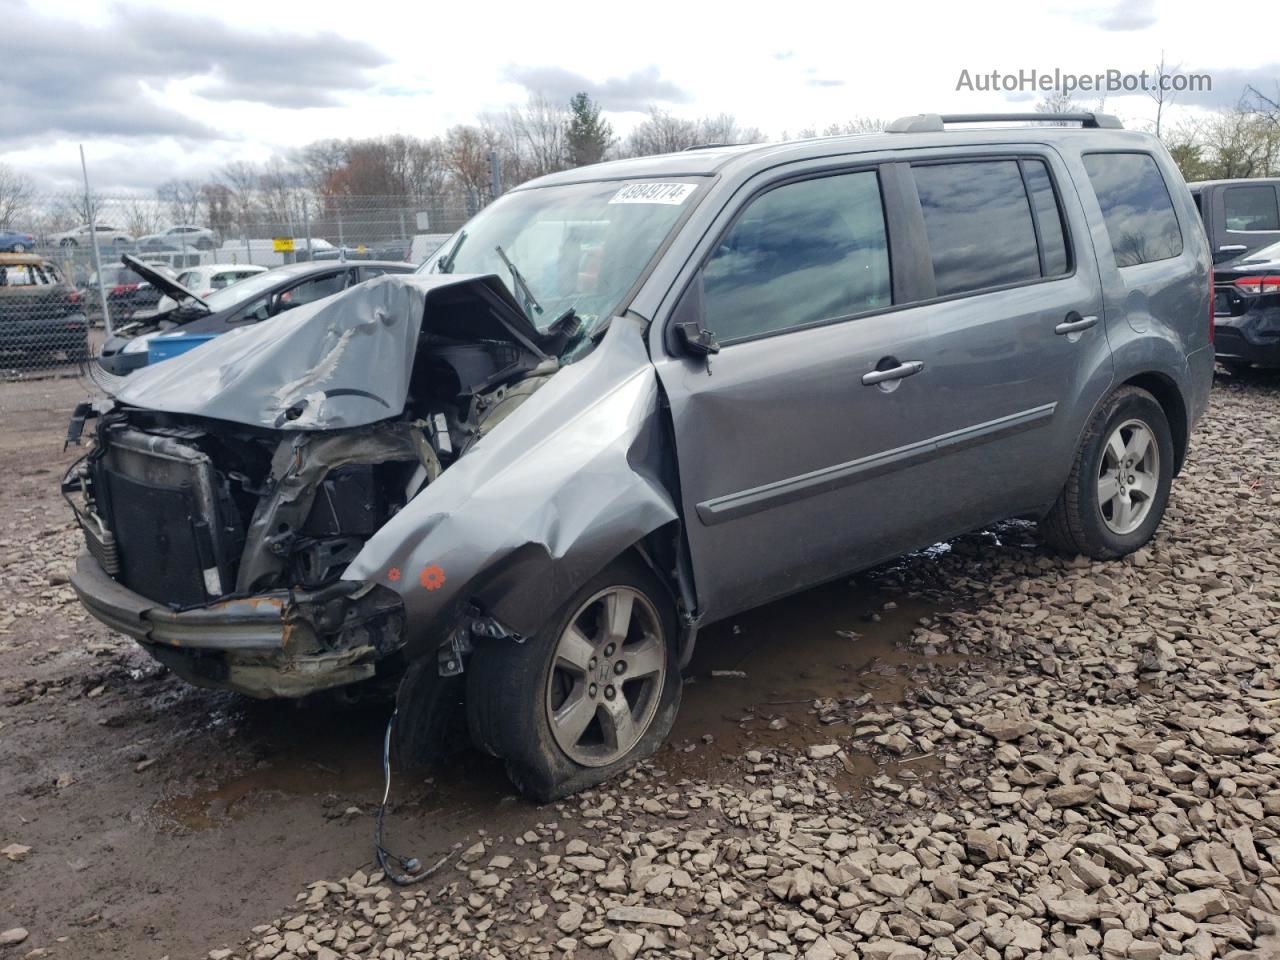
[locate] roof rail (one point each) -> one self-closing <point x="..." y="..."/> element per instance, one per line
<point x="933" y="122"/>
<point x="709" y="146"/>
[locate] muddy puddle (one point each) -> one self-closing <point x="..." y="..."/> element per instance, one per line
<point x="753" y="684"/>
<point x="796" y="673"/>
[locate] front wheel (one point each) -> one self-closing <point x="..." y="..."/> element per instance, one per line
<point x="1118" y="487"/>
<point x="588" y="695"/>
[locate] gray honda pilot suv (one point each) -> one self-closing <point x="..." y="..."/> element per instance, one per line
<point x="630" y="399"/>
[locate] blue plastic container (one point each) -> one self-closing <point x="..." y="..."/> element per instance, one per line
<point x="165" y="347"/>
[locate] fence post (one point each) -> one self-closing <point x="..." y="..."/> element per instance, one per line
<point x="306" y="226"/>
<point x="248" y="250"/>
<point x="93" y="239"/>
<point x="342" y="243"/>
<point x="495" y="175"/>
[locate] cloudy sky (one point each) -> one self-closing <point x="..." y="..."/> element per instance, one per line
<point x="155" y="91"/>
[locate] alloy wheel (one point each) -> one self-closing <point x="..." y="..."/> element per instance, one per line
<point x="1128" y="477"/>
<point x="606" y="678"/>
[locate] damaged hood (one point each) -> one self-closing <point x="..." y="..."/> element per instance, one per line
<point x="344" y="361"/>
<point x="166" y="285"/>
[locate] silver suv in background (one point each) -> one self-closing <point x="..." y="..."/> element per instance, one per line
<point x="630" y="399"/>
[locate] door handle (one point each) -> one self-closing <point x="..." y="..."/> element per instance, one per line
<point x="1232" y="248"/>
<point x="908" y="369"/>
<point x="1074" y="324"/>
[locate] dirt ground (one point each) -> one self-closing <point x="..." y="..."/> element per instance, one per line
<point x="164" y="820"/>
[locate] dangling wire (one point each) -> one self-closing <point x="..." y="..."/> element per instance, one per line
<point x="411" y="866"/>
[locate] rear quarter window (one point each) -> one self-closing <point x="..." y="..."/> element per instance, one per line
<point x="1136" y="207"/>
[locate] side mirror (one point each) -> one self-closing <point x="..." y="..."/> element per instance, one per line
<point x="690" y="336"/>
<point x="695" y="340"/>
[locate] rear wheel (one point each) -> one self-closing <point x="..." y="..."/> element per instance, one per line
<point x="19" y="248"/>
<point x="1118" y="487"/>
<point x="588" y="695"/>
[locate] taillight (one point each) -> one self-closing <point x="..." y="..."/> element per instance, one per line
<point x="122" y="288"/>
<point x="1257" y="285"/>
<point x="74" y="297"/>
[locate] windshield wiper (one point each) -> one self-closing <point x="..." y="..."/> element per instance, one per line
<point x="522" y="287"/>
<point x="445" y="264"/>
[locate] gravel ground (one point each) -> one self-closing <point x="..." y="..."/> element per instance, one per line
<point x="1105" y="781"/>
<point x="1061" y="759"/>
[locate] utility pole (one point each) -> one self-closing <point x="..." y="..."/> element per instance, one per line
<point x="93" y="239"/>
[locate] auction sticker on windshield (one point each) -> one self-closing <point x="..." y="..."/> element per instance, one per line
<point x="673" y="193"/>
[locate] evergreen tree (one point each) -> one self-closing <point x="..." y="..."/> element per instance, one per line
<point x="588" y="135"/>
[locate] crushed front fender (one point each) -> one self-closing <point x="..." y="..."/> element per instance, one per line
<point x="574" y="477"/>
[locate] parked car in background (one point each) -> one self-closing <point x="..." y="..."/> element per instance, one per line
<point x="11" y="242"/>
<point x="252" y="300"/>
<point x="1238" y="215"/>
<point x="630" y="399"/>
<point x="41" y="315"/>
<point x="82" y="236"/>
<point x="179" y="236"/>
<point x="203" y="280"/>
<point x="1246" y="307"/>
<point x="385" y="251"/>
<point x="128" y="292"/>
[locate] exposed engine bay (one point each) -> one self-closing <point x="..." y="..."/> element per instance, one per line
<point x="189" y="511"/>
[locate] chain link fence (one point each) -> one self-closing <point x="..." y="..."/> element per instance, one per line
<point x="64" y="286"/>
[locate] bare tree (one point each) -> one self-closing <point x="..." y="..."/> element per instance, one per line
<point x="1058" y="101"/>
<point x="219" y="207"/>
<point x="856" y="125"/>
<point x="1162" y="97"/>
<point x="241" y="179"/>
<point x="141" y="216"/>
<point x="466" y="153"/>
<point x="662" y="132"/>
<point x="537" y="137"/>
<point x="1240" y="143"/>
<point x="16" y="191"/>
<point x="182" y="198"/>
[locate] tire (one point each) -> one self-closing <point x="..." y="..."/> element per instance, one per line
<point x="19" y="248"/>
<point x="68" y="242"/>
<point x="515" y="689"/>
<point x="1102" y="512"/>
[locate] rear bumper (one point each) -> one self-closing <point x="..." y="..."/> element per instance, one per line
<point x="1249" y="338"/>
<point x="269" y="645"/>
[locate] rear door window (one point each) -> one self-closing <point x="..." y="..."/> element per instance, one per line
<point x="978" y="220"/>
<point x="802" y="253"/>
<point x="1251" y="207"/>
<point x="1136" y="207"/>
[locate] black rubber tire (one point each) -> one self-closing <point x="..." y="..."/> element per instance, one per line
<point x="1074" y="525"/>
<point x="506" y="684"/>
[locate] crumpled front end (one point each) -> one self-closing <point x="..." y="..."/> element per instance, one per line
<point x="276" y="644"/>
<point x="280" y="519"/>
